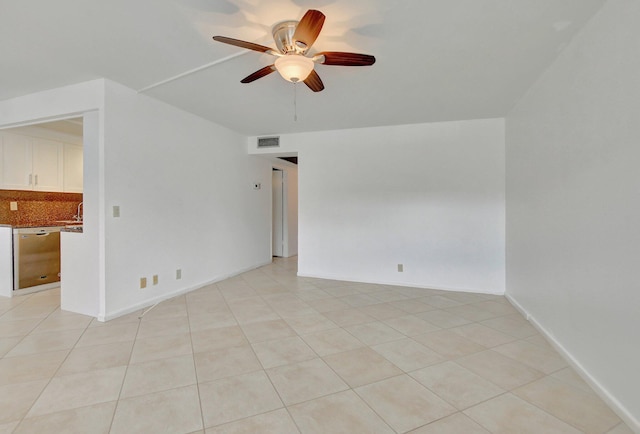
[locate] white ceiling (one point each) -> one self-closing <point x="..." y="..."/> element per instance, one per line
<point x="437" y="60"/>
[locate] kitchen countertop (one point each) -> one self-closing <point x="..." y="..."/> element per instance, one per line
<point x="65" y="225"/>
<point x="73" y="228"/>
<point x="37" y="225"/>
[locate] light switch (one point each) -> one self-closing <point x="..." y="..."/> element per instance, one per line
<point x="13" y="206"/>
<point x="116" y="211"/>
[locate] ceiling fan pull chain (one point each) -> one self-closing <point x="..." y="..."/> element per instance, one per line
<point x="295" y="102"/>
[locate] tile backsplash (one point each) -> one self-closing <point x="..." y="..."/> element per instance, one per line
<point x="37" y="207"/>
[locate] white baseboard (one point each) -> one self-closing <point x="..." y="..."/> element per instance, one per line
<point x="155" y="300"/>
<point x="600" y="390"/>
<point x="396" y="283"/>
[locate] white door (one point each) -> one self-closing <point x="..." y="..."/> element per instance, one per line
<point x="277" y="231"/>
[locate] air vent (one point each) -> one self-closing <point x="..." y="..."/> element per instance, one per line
<point x="268" y="142"/>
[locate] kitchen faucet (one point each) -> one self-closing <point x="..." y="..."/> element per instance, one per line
<point x="78" y="217"/>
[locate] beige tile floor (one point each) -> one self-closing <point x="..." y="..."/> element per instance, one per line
<point x="268" y="352"/>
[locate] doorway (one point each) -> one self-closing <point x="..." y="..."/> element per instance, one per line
<point x="284" y="208"/>
<point x="41" y="183"/>
<point x="278" y="213"/>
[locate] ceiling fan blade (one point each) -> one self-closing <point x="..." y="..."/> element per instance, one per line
<point x="313" y="82"/>
<point x="259" y="74"/>
<point x="308" y="28"/>
<point x="244" y="44"/>
<point x="344" y="59"/>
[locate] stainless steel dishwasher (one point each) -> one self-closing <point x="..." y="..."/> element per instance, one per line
<point x="36" y="257"/>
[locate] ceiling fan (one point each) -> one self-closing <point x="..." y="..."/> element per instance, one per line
<point x="293" y="40"/>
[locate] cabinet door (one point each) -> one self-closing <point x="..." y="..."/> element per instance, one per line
<point x="16" y="162"/>
<point x="47" y="165"/>
<point x="73" y="166"/>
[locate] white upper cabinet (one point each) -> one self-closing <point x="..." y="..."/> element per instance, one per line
<point x="72" y="168"/>
<point x="31" y="163"/>
<point x="16" y="162"/>
<point x="47" y="167"/>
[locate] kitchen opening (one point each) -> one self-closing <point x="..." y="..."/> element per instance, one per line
<point x="41" y="195"/>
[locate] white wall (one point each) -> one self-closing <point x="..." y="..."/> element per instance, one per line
<point x="429" y="196"/>
<point x="573" y="203"/>
<point x="185" y="190"/>
<point x="82" y="282"/>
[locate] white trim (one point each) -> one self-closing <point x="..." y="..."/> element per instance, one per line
<point x="598" y="388"/>
<point x="34" y="289"/>
<point x="396" y="283"/>
<point x="193" y="71"/>
<point x="44" y="120"/>
<point x="181" y="291"/>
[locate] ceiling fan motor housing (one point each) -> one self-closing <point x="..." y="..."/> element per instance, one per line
<point x="283" y="37"/>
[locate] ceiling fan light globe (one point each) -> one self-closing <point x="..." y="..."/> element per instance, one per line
<point x="294" y="67"/>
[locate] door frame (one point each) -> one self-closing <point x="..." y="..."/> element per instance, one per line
<point x="278" y="219"/>
<point x="290" y="221"/>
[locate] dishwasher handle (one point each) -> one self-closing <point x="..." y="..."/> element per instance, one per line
<point x="40" y="234"/>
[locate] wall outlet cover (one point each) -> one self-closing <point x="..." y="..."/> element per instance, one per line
<point x="155" y="279"/>
<point x="143" y="282"/>
<point x="116" y="211"/>
<point x="400" y="268"/>
<point x="179" y="273"/>
<point x="13" y="206"/>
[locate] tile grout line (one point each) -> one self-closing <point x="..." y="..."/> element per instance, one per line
<point x="124" y="377"/>
<point x="285" y="406"/>
<point x="195" y="368"/>
<point x="28" y="296"/>
<point x="57" y="370"/>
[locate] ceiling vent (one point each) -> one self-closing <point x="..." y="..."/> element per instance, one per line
<point x="268" y="142"/>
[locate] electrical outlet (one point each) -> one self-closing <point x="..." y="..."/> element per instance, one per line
<point x="257" y="185"/>
<point x="13" y="206"/>
<point x="143" y="282"/>
<point x="400" y="268"/>
<point x="116" y="211"/>
<point x="155" y="279"/>
<point x="178" y="274"/>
